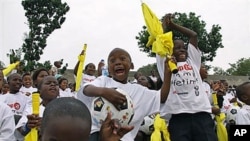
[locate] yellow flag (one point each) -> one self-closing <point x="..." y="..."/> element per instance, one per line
<point x="160" y="126"/>
<point x="162" y="44"/>
<point x="12" y="66"/>
<point x="81" y="59"/>
<point x="221" y="129"/>
<point x="33" y="134"/>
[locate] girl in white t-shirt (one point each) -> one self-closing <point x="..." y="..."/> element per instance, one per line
<point x="64" y="91"/>
<point x="88" y="73"/>
<point x="187" y="101"/>
<point x="27" y="88"/>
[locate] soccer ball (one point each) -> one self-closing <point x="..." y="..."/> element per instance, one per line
<point x="147" y="126"/>
<point x="100" y="107"/>
<point x="231" y="114"/>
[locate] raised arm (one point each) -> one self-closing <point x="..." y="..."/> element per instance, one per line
<point x="167" y="22"/>
<point x="77" y="64"/>
<point x="166" y="82"/>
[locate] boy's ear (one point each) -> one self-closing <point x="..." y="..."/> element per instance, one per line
<point x="132" y="66"/>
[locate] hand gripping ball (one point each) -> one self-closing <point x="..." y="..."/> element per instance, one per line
<point x="100" y="107"/>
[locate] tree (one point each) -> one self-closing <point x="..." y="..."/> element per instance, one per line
<point x="145" y="70"/>
<point x="209" y="42"/>
<point x="219" y="71"/>
<point x="241" y="67"/>
<point x="44" y="16"/>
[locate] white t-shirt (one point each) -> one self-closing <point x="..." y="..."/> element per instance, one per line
<point x="23" y="120"/>
<point x="17" y="102"/>
<point x="86" y="78"/>
<point x="25" y="90"/>
<point x="243" y="115"/>
<point x="145" y="101"/>
<point x="7" y="123"/>
<point x="208" y="91"/>
<point x="187" y="94"/>
<point x="226" y="102"/>
<point x="65" y="93"/>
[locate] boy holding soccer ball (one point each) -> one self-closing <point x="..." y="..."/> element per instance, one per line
<point x="145" y="101"/>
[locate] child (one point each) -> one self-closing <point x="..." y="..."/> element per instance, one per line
<point x="243" y="94"/>
<point x="5" y="87"/>
<point x="7" y="122"/>
<point x="38" y="75"/>
<point x="64" y="91"/>
<point x="49" y="90"/>
<point x="145" y="101"/>
<point x="187" y="101"/>
<point x="69" y="119"/>
<point x="88" y="74"/>
<point x="16" y="100"/>
<point x="27" y="88"/>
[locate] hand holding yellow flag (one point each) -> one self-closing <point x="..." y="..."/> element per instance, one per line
<point x="81" y="59"/>
<point x="162" y="44"/>
<point x="33" y="134"/>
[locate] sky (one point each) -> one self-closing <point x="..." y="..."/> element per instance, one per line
<point x="107" y="24"/>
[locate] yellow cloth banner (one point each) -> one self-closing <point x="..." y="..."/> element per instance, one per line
<point x="221" y="129"/>
<point x="33" y="134"/>
<point x="12" y="66"/>
<point x="81" y="59"/>
<point x="162" y="44"/>
<point x="160" y="127"/>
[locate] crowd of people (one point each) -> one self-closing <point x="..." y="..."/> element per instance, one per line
<point x="184" y="99"/>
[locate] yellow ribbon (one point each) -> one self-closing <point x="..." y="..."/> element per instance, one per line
<point x="221" y="129"/>
<point x="162" y="43"/>
<point x="33" y="134"/>
<point x="160" y="126"/>
<point x="81" y="59"/>
<point x="12" y="66"/>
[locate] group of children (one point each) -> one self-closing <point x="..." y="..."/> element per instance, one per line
<point x="65" y="116"/>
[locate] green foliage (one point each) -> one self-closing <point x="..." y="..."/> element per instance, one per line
<point x="241" y="67"/>
<point x="44" y="16"/>
<point x="209" y="41"/>
<point x="146" y="70"/>
<point x="219" y="71"/>
<point x="15" y="55"/>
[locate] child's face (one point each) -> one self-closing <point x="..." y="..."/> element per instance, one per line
<point x="90" y="69"/>
<point x="15" y="83"/>
<point x="66" y="128"/>
<point x="180" y="51"/>
<point x="49" y="89"/>
<point x="64" y="84"/>
<point x="246" y="96"/>
<point x="40" y="77"/>
<point x="5" y="88"/>
<point x="27" y="81"/>
<point x="119" y="65"/>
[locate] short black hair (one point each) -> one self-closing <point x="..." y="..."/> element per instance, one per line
<point x="65" y="106"/>
<point x="25" y="74"/>
<point x="241" y="90"/>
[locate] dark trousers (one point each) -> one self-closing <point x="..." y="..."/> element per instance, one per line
<point x="192" y="127"/>
<point x="94" y="136"/>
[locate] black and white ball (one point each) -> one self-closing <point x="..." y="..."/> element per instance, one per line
<point x="231" y="114"/>
<point x="100" y="107"/>
<point x="147" y="126"/>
